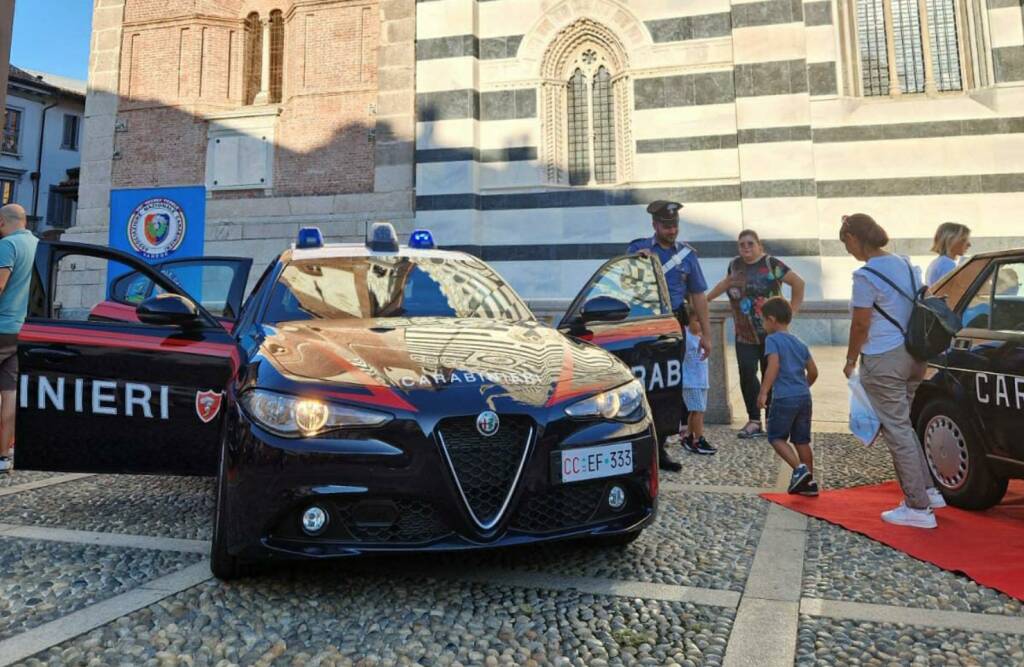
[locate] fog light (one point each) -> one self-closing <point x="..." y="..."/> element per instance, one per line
<point x="616" y="497"/>
<point x="314" y="520"/>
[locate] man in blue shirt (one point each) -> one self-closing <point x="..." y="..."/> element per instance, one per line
<point x="682" y="273"/>
<point x="17" y="257"/>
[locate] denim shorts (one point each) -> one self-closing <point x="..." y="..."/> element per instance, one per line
<point x="789" y="418"/>
<point x="696" y="400"/>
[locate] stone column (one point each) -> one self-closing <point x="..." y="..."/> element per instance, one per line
<point x="553" y="152"/>
<point x="926" y="47"/>
<point x="719" y="410"/>
<point x="263" y="97"/>
<point x="395" y="123"/>
<point x="98" y="145"/>
<point x="890" y="50"/>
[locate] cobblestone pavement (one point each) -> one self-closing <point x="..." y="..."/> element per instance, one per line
<point x="24" y="477"/>
<point x="111" y="570"/>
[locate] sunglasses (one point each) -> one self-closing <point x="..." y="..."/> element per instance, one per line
<point x="747" y="244"/>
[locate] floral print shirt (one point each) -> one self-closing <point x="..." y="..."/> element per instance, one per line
<point x="750" y="285"/>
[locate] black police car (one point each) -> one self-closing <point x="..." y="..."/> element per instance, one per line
<point x="970" y="409"/>
<point x="364" y="398"/>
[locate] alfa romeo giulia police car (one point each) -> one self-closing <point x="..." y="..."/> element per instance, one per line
<point x="364" y="398"/>
<point x="970" y="410"/>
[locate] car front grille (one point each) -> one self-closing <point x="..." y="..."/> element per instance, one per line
<point x="485" y="468"/>
<point x="559" y="507"/>
<point x="398" y="521"/>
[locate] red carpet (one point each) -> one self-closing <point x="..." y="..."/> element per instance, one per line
<point x="986" y="546"/>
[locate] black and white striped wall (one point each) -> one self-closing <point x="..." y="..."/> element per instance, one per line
<point x="738" y="109"/>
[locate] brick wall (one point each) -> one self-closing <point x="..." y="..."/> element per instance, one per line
<point x="181" y="61"/>
<point x="160" y="146"/>
<point x="323" y="146"/>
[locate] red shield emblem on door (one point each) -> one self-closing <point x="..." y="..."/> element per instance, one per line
<point x="208" y="405"/>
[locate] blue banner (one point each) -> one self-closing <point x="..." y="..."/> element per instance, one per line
<point x="158" y="224"/>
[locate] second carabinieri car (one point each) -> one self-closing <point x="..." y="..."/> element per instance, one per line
<point x="366" y="397"/>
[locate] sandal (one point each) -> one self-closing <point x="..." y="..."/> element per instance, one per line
<point x="746" y="432"/>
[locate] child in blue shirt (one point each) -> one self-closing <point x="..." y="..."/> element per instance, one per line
<point x="791" y="372"/>
<point x="695" y="388"/>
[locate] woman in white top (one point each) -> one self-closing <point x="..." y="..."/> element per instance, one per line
<point x="888" y="373"/>
<point x="952" y="240"/>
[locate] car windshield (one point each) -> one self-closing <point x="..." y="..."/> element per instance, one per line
<point x="392" y="286"/>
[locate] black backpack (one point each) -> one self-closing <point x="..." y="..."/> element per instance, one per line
<point x="932" y="322"/>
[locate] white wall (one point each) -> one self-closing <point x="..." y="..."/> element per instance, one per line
<point x="56" y="160"/>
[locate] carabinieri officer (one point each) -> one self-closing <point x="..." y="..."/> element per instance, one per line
<point x="684" y="277"/>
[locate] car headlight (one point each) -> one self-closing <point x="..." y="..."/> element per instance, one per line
<point x="625" y="403"/>
<point x="296" y="417"/>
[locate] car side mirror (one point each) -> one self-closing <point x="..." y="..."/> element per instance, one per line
<point x="604" y="309"/>
<point x="167" y="309"/>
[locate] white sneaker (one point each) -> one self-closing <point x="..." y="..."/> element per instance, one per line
<point x="908" y="516"/>
<point x="935" y="499"/>
<point x="6" y="465"/>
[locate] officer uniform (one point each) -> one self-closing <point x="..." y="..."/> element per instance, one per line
<point x="682" y="268"/>
<point x="682" y="274"/>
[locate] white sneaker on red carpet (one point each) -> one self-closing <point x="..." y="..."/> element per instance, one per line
<point x="935" y="499"/>
<point x="901" y="515"/>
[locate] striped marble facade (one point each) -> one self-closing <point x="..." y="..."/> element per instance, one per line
<point x="741" y="110"/>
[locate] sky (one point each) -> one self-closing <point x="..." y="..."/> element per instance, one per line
<point x="52" y="36"/>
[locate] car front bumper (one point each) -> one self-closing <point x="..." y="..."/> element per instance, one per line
<point x="392" y="489"/>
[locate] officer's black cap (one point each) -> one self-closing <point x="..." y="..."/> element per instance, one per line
<point x="664" y="211"/>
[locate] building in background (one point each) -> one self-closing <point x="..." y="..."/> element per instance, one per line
<point x="6" y="32"/>
<point x="40" y="150"/>
<point x="534" y="132"/>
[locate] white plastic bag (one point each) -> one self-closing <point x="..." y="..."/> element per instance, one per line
<point x="864" y="423"/>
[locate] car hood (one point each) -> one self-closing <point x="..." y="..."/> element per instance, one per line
<point x="413" y="363"/>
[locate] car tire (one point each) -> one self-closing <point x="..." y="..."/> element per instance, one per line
<point x="618" y="540"/>
<point x="223" y="565"/>
<point x="956" y="457"/>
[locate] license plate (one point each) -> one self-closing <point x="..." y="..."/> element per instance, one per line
<point x="596" y="462"/>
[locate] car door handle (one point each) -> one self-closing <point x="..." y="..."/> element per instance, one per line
<point x="52" y="355"/>
<point x="961" y="343"/>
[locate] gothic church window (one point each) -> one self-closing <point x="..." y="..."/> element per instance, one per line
<point x="276" y="54"/>
<point x="253" y="53"/>
<point x="590" y="115"/>
<point x="263" y="58"/>
<point x="586" y="98"/>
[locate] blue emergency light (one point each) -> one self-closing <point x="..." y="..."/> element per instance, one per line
<point x="421" y="239"/>
<point x="310" y="237"/>
<point x="382" y="238"/>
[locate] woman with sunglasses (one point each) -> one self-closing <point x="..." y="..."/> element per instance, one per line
<point x="753" y="278"/>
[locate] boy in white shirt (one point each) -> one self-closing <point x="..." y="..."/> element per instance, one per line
<point x="695" y="389"/>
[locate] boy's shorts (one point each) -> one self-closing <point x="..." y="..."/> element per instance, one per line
<point x="696" y="400"/>
<point x="789" y="419"/>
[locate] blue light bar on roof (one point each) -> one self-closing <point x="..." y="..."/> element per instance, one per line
<point x="382" y="238"/>
<point x="421" y="239"/>
<point x="310" y="237"/>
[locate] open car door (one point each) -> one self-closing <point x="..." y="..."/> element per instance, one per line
<point x="625" y="308"/>
<point x="106" y="395"/>
<point x="218" y="283"/>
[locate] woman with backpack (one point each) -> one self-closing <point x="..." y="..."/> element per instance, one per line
<point x="884" y="292"/>
<point x="753" y="278"/>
